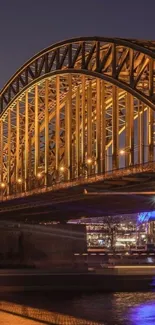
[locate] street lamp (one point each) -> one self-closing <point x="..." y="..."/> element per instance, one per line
<point x="39" y="179"/>
<point x="89" y="161"/>
<point x="19" y="180"/>
<point x="2" y="185"/>
<point x="62" y="168"/>
<point x="39" y="175"/>
<point x="122" y="152"/>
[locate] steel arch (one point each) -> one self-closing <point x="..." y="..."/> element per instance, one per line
<point x="129" y="64"/>
<point x="69" y="105"/>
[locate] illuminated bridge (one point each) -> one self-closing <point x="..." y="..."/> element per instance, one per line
<point x="76" y="111"/>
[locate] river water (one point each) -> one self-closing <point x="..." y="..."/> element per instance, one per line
<point x="92" y="309"/>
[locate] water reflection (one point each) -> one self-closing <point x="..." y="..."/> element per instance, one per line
<point x="92" y="309"/>
<point x="143" y="314"/>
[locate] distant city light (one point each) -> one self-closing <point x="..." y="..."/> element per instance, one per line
<point x="145" y="216"/>
<point x="125" y="240"/>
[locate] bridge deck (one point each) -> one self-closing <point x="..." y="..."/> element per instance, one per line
<point x="73" y="203"/>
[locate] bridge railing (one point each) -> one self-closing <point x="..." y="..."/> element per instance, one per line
<point x="82" y="180"/>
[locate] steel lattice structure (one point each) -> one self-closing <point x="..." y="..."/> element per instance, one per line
<point x="74" y="108"/>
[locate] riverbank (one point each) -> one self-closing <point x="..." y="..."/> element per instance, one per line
<point x="31" y="280"/>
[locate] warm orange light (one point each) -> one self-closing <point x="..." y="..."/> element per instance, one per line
<point x="122" y="152"/>
<point x="19" y="180"/>
<point x="89" y="161"/>
<point x="62" y="168"/>
<point x="2" y="185"/>
<point x="39" y="175"/>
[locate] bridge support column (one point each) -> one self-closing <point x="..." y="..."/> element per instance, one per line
<point x="139" y="134"/>
<point x="46" y="132"/>
<point x="89" y="125"/>
<point x="127" y="132"/>
<point x="9" y="154"/>
<point x="30" y="165"/>
<point x="98" y="125"/>
<point x="115" y="129"/>
<point x="103" y="128"/>
<point x="143" y="134"/>
<point x="26" y="140"/>
<point x="36" y="132"/>
<point x="83" y="124"/>
<point x="1" y="150"/>
<point x="17" y="144"/>
<point x="78" y="131"/>
<point x="68" y="130"/>
<point x="57" y="125"/>
<point x="150" y="133"/>
<point x="129" y="136"/>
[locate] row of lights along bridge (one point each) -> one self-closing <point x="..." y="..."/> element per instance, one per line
<point x="62" y="169"/>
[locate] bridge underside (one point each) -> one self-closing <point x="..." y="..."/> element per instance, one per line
<point x="72" y="203"/>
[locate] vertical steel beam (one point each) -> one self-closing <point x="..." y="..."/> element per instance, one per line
<point x="57" y="125"/>
<point x="78" y="130"/>
<point x="1" y="150"/>
<point x="9" y="154"/>
<point x="129" y="137"/>
<point x="132" y="129"/>
<point x="89" y="125"/>
<point x="139" y="133"/>
<point x="103" y="128"/>
<point x="151" y="113"/>
<point x="68" y="129"/>
<point x="115" y="129"/>
<point x="22" y="157"/>
<point x="151" y="64"/>
<point x="30" y="163"/>
<point x="150" y="133"/>
<point x="36" y="131"/>
<point x="17" y="142"/>
<point x="26" y="139"/>
<point x="131" y="67"/>
<point x="46" y="131"/>
<point x="83" y="120"/>
<point x="127" y="132"/>
<point x="143" y="134"/>
<point x="114" y="54"/>
<point x="98" y="125"/>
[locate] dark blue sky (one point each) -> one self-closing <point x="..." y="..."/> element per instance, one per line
<point x="27" y="26"/>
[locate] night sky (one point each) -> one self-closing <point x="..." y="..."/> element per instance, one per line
<point x="28" y="26"/>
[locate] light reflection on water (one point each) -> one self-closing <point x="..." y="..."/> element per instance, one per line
<point x="143" y="314"/>
<point x="96" y="309"/>
<point x="135" y="308"/>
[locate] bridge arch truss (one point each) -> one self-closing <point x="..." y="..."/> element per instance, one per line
<point x="81" y="107"/>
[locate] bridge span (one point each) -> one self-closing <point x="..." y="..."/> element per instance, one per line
<point x="97" y="198"/>
<point x="70" y="115"/>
